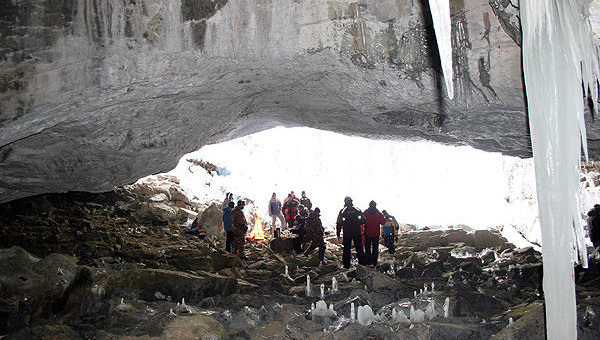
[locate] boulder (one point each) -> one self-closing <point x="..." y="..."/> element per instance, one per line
<point x="281" y="245"/>
<point x="487" y="239"/>
<point x="530" y="325"/>
<point x="211" y="220"/>
<point x="194" y="327"/>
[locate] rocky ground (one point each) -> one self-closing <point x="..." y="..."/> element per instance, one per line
<point x="113" y="266"/>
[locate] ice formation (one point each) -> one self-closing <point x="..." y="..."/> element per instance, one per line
<point x="321" y="310"/>
<point x="430" y="310"/>
<point x="399" y="316"/>
<point x="365" y="315"/>
<point x="416" y="315"/>
<point x="352" y="313"/>
<point x="447" y="307"/>
<point x="559" y="53"/>
<point x="322" y="290"/>
<point x="334" y="285"/>
<point x="308" y="287"/>
<point x="440" y="13"/>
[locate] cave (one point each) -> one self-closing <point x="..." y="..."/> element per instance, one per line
<point x="97" y="94"/>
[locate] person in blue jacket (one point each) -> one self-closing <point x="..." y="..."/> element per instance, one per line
<point x="228" y="225"/>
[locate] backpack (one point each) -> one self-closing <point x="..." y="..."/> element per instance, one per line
<point x="352" y="216"/>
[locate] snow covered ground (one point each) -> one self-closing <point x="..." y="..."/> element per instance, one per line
<point x="420" y="183"/>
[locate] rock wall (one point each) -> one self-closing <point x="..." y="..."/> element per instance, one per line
<point x="95" y="94"/>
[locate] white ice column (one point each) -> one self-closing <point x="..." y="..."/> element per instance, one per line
<point x="556" y="39"/>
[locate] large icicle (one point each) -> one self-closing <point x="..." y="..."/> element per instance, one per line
<point x="440" y="13"/>
<point x="557" y="55"/>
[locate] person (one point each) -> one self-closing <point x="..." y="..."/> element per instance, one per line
<point x="389" y="231"/>
<point x="290" y="210"/>
<point x="349" y="220"/>
<point x="305" y="201"/>
<point x="314" y="233"/>
<point x="594" y="225"/>
<point x="374" y="221"/>
<point x="228" y="226"/>
<point x="275" y="212"/>
<point x="300" y="229"/>
<point x="240" y="227"/>
<point x="228" y="198"/>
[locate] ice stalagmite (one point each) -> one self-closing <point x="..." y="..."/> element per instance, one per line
<point x="440" y="13"/>
<point x="558" y="55"/>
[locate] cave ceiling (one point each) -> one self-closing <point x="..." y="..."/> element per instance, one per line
<point x="96" y="94"/>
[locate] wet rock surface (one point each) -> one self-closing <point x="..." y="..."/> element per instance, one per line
<point x="121" y="278"/>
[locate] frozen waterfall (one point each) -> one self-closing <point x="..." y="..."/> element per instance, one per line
<point x="558" y="54"/>
<point x="440" y="12"/>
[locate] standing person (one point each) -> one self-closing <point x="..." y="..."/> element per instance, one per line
<point x="349" y="220"/>
<point x="290" y="210"/>
<point x="389" y="231"/>
<point x="305" y="201"/>
<point x="594" y="225"/>
<point x="374" y="221"/>
<point x="228" y="226"/>
<point x="300" y="229"/>
<point x="228" y="198"/>
<point x="314" y="233"/>
<point x="240" y="227"/>
<point x="275" y="212"/>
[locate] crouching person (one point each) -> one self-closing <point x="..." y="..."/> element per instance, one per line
<point x="314" y="233"/>
<point x="240" y="227"/>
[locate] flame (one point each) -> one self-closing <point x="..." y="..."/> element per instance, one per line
<point x="258" y="233"/>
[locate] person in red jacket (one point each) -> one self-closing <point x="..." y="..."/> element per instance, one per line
<point x="374" y="220"/>
<point x="290" y="209"/>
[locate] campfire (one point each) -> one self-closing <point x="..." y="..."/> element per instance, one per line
<point x="258" y="233"/>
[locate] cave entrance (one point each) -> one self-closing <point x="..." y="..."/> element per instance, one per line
<point x="421" y="183"/>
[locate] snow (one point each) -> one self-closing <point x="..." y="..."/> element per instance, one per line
<point x="559" y="53"/>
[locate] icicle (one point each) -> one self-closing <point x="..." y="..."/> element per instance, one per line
<point x="510" y="321"/>
<point x="352" y="313"/>
<point x="334" y="285"/>
<point x="432" y="286"/>
<point x="331" y="310"/>
<point x="558" y="54"/>
<point x="430" y="310"/>
<point x="440" y="13"/>
<point x="425" y="287"/>
<point x="415" y="293"/>
<point x="312" y="307"/>
<point x="322" y="290"/>
<point x="416" y="315"/>
<point x="183" y="302"/>
<point x="171" y="313"/>
<point x="286" y="271"/>
<point x="122" y="301"/>
<point x="447" y="307"/>
<point x="308" y="288"/>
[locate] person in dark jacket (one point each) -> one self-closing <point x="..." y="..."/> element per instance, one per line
<point x="290" y="210"/>
<point x="300" y="229"/>
<point x="305" y="201"/>
<point x="314" y="233"/>
<point x="594" y="225"/>
<point x="389" y="231"/>
<point x="228" y="226"/>
<point x="240" y="227"/>
<point x="349" y="220"/>
<point x="374" y="220"/>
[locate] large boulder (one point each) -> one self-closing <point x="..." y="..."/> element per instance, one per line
<point x="212" y="220"/>
<point x="29" y="286"/>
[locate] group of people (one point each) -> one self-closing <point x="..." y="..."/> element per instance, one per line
<point x="362" y="229"/>
<point x="369" y="224"/>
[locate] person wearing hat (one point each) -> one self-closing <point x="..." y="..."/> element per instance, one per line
<point x="314" y="233"/>
<point x="374" y="220"/>
<point x="290" y="209"/>
<point x="275" y="213"/>
<point x="389" y="231"/>
<point x="349" y="220"/>
<point x="305" y="201"/>
<point x="240" y="227"/>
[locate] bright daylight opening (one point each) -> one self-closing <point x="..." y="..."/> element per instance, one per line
<point x="421" y="183"/>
